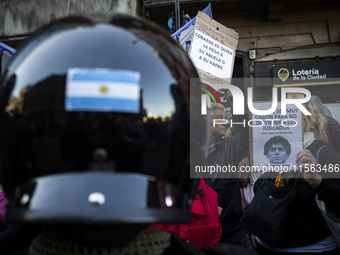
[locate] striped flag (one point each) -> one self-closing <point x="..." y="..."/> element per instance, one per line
<point x="101" y="89"/>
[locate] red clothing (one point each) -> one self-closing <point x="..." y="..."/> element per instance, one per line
<point x="3" y="202"/>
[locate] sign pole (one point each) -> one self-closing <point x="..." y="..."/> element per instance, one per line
<point x="177" y="13"/>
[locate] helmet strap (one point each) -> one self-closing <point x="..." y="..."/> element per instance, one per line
<point x="149" y="241"/>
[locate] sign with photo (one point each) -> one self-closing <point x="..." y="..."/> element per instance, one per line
<point x="275" y="139"/>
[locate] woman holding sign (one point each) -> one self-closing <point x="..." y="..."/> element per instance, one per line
<point x="284" y="214"/>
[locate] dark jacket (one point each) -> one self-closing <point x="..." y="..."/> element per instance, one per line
<point x="306" y="224"/>
<point x="333" y="133"/>
<point x="228" y="152"/>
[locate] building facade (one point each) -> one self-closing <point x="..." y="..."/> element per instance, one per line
<point x="298" y="38"/>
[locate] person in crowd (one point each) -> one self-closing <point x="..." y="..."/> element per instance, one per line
<point x="277" y="149"/>
<point x="228" y="111"/>
<point x="305" y="229"/>
<point x="333" y="126"/>
<point x="227" y="150"/>
<point x="246" y="178"/>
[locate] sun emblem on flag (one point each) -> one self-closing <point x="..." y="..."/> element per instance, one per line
<point x="103" y="89"/>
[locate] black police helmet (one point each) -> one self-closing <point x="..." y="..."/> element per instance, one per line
<point x="95" y="124"/>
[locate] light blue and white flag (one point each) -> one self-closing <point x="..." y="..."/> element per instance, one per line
<point x="184" y="34"/>
<point x="6" y="53"/>
<point x="101" y="89"/>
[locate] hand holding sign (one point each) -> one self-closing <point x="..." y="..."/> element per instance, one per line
<point x="308" y="164"/>
<point x="228" y="96"/>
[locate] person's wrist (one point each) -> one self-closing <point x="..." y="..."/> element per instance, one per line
<point x="315" y="181"/>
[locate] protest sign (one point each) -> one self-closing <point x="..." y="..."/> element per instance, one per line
<point x="275" y="139"/>
<point x="212" y="50"/>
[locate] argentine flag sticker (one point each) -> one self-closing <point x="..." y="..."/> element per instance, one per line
<point x="102" y="89"/>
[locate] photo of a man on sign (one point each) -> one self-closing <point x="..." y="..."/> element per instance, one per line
<point x="277" y="149"/>
<point x="274" y="138"/>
